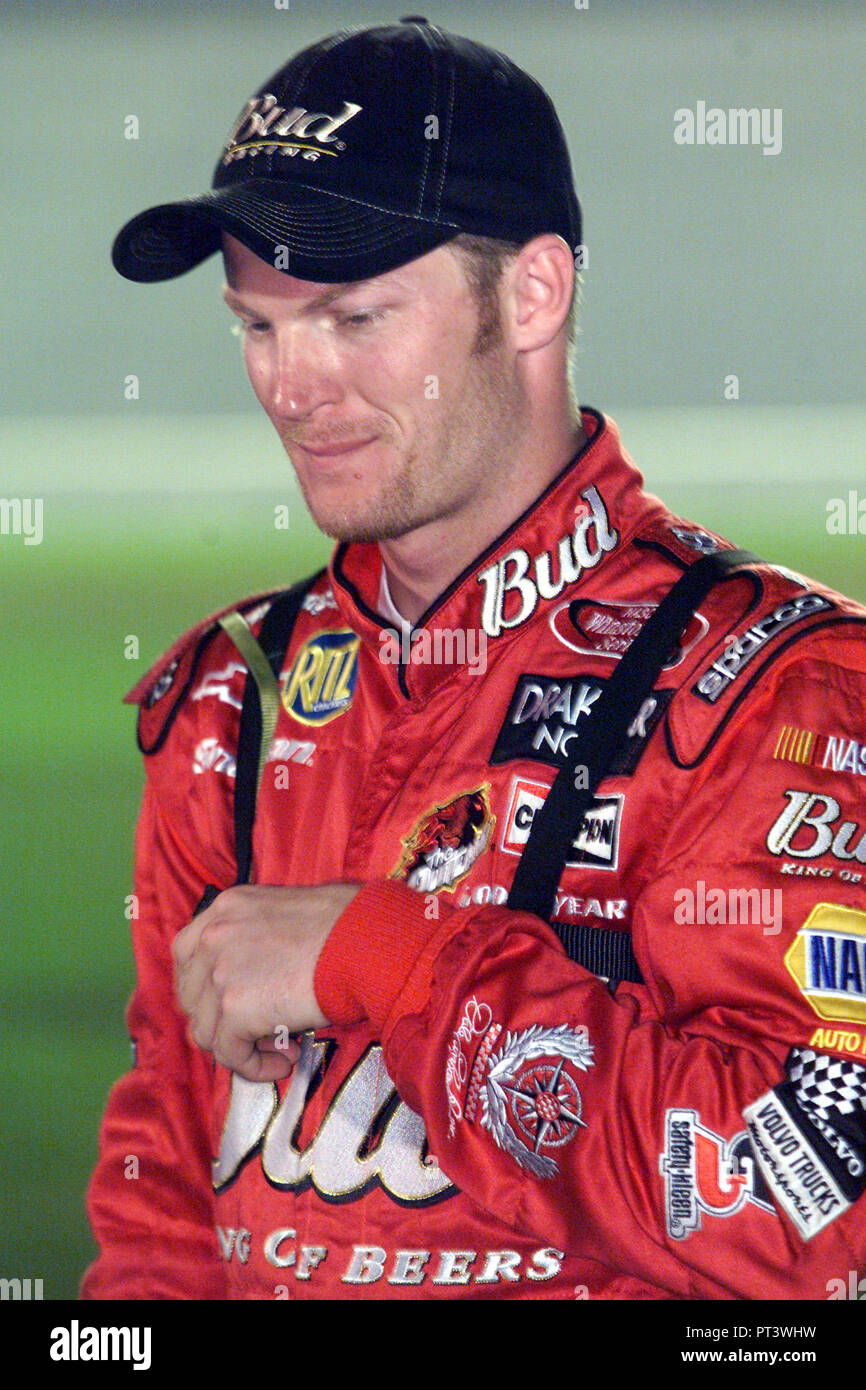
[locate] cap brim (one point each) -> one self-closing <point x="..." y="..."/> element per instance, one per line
<point x="303" y="232"/>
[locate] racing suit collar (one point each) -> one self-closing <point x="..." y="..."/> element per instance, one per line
<point x="575" y="526"/>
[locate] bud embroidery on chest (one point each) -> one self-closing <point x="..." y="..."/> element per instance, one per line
<point x="583" y="549"/>
<point x="367" y="1135"/>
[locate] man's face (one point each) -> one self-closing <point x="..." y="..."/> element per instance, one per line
<point x="389" y="413"/>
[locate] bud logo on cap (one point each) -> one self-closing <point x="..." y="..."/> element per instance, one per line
<point x="263" y="116"/>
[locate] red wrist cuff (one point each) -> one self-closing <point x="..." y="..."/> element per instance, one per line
<point x="380" y="951"/>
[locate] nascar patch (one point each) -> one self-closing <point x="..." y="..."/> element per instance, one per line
<point x="320" y="683"/>
<point x="827" y="959"/>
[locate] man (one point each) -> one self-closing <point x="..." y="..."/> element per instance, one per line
<point x="372" y="1069"/>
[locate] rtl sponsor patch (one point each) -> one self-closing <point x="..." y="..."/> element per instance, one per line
<point x="827" y="958"/>
<point x="320" y="683"/>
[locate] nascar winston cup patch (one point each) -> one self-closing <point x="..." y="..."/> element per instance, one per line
<point x="321" y="681"/>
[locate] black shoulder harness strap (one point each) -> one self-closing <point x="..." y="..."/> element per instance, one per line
<point x="557" y="822"/>
<point x="273" y="641"/>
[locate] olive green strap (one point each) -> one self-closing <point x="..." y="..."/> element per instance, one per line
<point x="238" y="629"/>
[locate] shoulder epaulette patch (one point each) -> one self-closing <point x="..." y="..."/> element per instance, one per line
<point x="161" y="692"/>
<point x="715" y="690"/>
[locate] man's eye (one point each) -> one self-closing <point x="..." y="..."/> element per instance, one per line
<point x="254" y="326"/>
<point x="361" y="319"/>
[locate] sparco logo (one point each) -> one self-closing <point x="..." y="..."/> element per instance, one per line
<point x="507" y="584"/>
<point x="813" y="821"/>
<point x="715" y="681"/>
<point x="263" y="118"/>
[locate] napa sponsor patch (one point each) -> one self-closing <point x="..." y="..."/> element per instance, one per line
<point x="827" y="958"/>
<point x="320" y="683"/>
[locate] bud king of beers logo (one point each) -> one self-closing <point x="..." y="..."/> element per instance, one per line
<point x="810" y="827"/>
<point x="511" y="595"/>
<point x="444" y="844"/>
<point x="827" y="958"/>
<point x="321" y="681"/>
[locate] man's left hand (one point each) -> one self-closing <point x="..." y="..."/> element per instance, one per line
<point x="244" y="972"/>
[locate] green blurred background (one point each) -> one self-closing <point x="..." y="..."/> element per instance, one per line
<point x="702" y="263"/>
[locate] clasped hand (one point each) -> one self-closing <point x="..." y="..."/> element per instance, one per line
<point x="244" y="973"/>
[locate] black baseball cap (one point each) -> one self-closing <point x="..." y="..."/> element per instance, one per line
<point x="366" y="150"/>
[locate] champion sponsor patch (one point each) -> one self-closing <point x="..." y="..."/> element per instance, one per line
<point x="592" y="628"/>
<point x="596" y="844"/>
<point x="320" y="683"/>
<point x="827" y="958"/>
<point x="706" y="1175"/>
<point x="546" y="713"/>
<point x="444" y="844"/>
<point x="712" y="685"/>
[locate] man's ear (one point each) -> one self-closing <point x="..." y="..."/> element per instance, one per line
<point x="538" y="288"/>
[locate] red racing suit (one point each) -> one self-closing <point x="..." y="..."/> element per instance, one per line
<point x="485" y="1117"/>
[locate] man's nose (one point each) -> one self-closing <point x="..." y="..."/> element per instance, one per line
<point x="304" y="373"/>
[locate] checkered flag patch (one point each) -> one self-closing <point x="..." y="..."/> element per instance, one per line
<point x="827" y="1086"/>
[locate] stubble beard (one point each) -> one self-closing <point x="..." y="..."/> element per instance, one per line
<point x="422" y="491"/>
